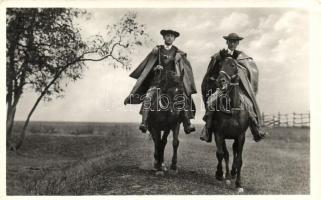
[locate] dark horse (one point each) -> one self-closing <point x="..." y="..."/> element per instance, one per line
<point x="166" y="115"/>
<point x="231" y="122"/>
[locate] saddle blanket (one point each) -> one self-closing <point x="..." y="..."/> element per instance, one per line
<point x="219" y="101"/>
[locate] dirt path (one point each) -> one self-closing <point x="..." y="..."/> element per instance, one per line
<point x="121" y="164"/>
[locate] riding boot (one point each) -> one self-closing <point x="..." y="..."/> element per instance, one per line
<point x="150" y="94"/>
<point x="206" y="133"/>
<point x="188" y="127"/>
<point x="143" y="126"/>
<point x="257" y="132"/>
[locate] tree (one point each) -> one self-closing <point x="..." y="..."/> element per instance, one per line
<point x="45" y="51"/>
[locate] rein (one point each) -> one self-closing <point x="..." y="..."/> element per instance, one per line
<point x="164" y="72"/>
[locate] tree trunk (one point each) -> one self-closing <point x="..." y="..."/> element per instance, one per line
<point x="9" y="124"/>
<point x="11" y="78"/>
<point x="10" y="121"/>
<point x="11" y="112"/>
<point x="23" y="133"/>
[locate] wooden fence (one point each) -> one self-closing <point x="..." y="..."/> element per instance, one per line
<point x="286" y="120"/>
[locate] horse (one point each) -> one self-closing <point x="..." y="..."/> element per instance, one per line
<point x="166" y="115"/>
<point x="230" y="121"/>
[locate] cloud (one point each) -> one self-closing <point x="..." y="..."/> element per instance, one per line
<point x="291" y="21"/>
<point x="233" y="22"/>
<point x="281" y="50"/>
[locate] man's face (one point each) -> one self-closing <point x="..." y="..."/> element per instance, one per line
<point x="169" y="39"/>
<point x="232" y="44"/>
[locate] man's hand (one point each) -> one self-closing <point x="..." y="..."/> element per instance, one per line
<point x="155" y="50"/>
<point x="158" y="67"/>
<point x="127" y="101"/>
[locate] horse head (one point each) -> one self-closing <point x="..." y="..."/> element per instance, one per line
<point x="169" y="82"/>
<point x="228" y="82"/>
<point x="171" y="87"/>
<point x="228" y="74"/>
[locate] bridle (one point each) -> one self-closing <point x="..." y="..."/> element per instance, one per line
<point x="230" y="79"/>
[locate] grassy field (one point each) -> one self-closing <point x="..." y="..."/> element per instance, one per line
<point x="107" y="159"/>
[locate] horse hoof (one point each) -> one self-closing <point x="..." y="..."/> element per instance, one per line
<point x="228" y="182"/>
<point x="164" y="168"/>
<point x="240" y="190"/>
<point x="159" y="173"/>
<point x="173" y="171"/>
<point x="220" y="178"/>
<point x="155" y="166"/>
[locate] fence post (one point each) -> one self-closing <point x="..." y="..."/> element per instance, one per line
<point x="287" y="120"/>
<point x="302" y="123"/>
<point x="293" y="123"/>
<point x="279" y="119"/>
<point x="273" y="120"/>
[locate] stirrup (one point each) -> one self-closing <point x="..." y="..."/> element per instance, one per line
<point x="205" y="135"/>
<point x="143" y="127"/>
<point x="189" y="129"/>
<point x="259" y="136"/>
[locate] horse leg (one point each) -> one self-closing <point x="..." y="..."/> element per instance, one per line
<point x="226" y="159"/>
<point x="219" y="155"/>
<point x="240" y="145"/>
<point x="163" y="145"/>
<point x="233" y="171"/>
<point x="157" y="146"/>
<point x="175" y="147"/>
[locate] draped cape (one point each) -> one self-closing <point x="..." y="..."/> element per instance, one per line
<point x="142" y="72"/>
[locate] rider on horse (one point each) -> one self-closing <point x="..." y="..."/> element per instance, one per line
<point x="248" y="79"/>
<point x="163" y="57"/>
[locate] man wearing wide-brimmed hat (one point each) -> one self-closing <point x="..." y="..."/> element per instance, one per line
<point x="172" y="59"/>
<point x="250" y="86"/>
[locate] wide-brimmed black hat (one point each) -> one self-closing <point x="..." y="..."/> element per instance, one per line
<point x="233" y="36"/>
<point x="165" y="32"/>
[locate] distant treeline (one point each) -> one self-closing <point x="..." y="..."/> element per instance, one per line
<point x="73" y="128"/>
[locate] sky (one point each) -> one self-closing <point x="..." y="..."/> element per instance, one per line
<point x="276" y="38"/>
